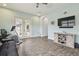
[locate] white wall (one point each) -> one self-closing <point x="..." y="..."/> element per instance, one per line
<point x="39" y="26"/>
<point x="7" y="17"/>
<point x="58" y="12"/>
<point x="35" y="26"/>
<point x="7" y="21"/>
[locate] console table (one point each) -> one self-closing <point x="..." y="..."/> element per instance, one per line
<point x="65" y="39"/>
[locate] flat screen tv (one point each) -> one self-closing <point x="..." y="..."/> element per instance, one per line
<point x="66" y="22"/>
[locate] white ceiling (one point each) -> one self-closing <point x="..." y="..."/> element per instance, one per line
<point x="31" y="7"/>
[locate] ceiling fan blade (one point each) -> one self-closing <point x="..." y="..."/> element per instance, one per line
<point x="45" y="3"/>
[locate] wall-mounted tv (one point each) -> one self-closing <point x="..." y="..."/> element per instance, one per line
<point x="66" y="22"/>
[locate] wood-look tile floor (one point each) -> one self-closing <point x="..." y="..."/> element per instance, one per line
<point x="44" y="47"/>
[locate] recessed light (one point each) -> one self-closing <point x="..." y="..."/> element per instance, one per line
<point x="4" y="4"/>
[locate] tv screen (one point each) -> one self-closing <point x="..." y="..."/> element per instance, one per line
<point x="66" y="22"/>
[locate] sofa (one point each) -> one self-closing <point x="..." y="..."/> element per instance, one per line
<point x="9" y="45"/>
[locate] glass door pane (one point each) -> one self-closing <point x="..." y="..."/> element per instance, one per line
<point x="18" y="23"/>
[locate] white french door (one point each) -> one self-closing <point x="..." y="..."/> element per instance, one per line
<point x="22" y="27"/>
<point x="27" y="27"/>
<point x="19" y="26"/>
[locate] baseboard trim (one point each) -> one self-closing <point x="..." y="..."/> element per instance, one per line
<point x="36" y="37"/>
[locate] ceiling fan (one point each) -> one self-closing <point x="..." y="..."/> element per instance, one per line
<point x="38" y="4"/>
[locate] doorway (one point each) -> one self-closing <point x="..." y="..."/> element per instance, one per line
<point x="23" y="27"/>
<point x="44" y="26"/>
